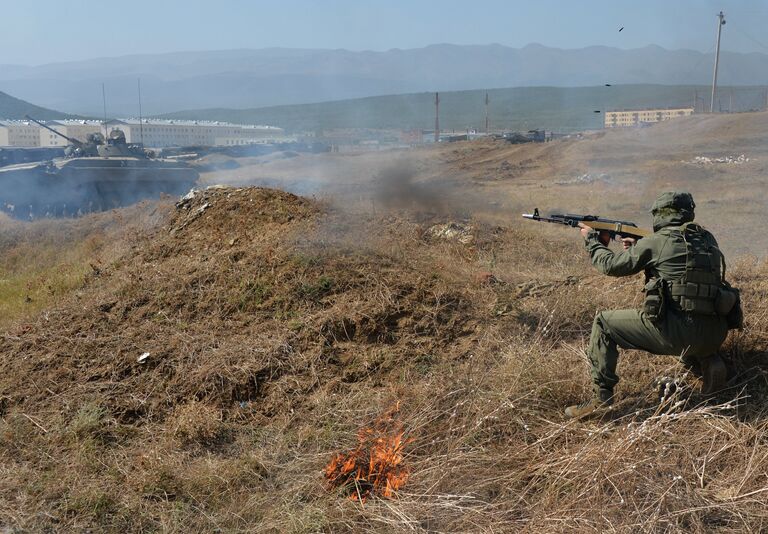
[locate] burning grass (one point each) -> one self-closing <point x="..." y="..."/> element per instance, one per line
<point x="375" y="467"/>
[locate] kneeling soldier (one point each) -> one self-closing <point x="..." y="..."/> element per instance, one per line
<point x="684" y="271"/>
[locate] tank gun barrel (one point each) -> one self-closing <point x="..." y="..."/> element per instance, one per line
<point x="72" y="140"/>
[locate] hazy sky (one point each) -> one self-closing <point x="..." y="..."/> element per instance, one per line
<point x="43" y="31"/>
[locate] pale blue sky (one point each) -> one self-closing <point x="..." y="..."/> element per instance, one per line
<point x="43" y="31"/>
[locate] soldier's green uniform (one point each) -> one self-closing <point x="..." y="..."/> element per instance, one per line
<point x="686" y="258"/>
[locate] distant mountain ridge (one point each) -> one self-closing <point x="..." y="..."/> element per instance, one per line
<point x="280" y="76"/>
<point x="14" y="108"/>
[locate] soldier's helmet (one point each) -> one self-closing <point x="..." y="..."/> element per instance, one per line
<point x="672" y="207"/>
<point x="676" y="200"/>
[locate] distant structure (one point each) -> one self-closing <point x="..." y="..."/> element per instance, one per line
<point x="77" y="129"/>
<point x="165" y="133"/>
<point x="19" y="133"/>
<point x="638" y="117"/>
<point x="155" y="133"/>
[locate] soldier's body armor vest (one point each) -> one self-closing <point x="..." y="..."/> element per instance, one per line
<point x="697" y="290"/>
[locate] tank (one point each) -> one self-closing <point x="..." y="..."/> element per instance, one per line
<point x="94" y="175"/>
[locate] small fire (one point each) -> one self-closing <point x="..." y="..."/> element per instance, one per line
<point x="375" y="467"/>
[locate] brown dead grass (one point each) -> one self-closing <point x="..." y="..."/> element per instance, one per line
<point x="277" y="327"/>
<point x="44" y="260"/>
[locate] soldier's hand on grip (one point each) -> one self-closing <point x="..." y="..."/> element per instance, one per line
<point x="627" y="242"/>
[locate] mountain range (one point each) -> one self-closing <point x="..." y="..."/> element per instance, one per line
<point x="280" y="76"/>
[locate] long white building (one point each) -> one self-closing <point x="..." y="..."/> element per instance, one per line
<point x="164" y="133"/>
<point x="19" y="133"/>
<point x="151" y="132"/>
<point x="77" y="129"/>
<point x="636" y="117"/>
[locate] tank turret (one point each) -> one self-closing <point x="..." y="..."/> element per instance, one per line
<point x="116" y="146"/>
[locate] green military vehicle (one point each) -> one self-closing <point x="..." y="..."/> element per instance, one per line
<point x="95" y="175"/>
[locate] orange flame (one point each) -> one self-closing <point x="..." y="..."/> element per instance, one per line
<point x="375" y="467"/>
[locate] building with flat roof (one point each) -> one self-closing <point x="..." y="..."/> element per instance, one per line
<point x="19" y="133"/>
<point x="636" y="117"/>
<point x="166" y="133"/>
<point x="77" y="129"/>
<point x="151" y="132"/>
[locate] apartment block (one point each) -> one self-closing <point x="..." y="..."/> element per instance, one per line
<point x="637" y="117"/>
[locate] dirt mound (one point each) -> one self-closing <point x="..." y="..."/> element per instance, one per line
<point x="236" y="311"/>
<point x="226" y="308"/>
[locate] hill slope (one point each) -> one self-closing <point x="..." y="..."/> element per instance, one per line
<point x="13" y="108"/>
<point x="521" y="108"/>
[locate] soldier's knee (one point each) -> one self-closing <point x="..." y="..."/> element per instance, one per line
<point x="601" y="329"/>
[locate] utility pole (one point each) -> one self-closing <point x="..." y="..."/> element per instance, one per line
<point x="487" y="101"/>
<point x="141" y="122"/>
<point x="437" y="118"/>
<point x="720" y="24"/>
<point x="104" y="100"/>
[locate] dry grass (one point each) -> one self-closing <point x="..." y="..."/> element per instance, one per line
<point x="42" y="261"/>
<point x="32" y="275"/>
<point x="268" y="354"/>
<point x="278" y="327"/>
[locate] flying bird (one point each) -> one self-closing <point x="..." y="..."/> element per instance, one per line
<point x="621" y="28"/>
<point x="607" y="84"/>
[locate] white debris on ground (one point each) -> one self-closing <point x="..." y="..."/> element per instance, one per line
<point x="186" y="202"/>
<point x="586" y="179"/>
<point x="452" y="231"/>
<point x="704" y="160"/>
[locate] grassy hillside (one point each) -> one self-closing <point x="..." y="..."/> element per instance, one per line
<point x="277" y="331"/>
<point x="13" y="108"/>
<point x="522" y="108"/>
<point x="217" y="357"/>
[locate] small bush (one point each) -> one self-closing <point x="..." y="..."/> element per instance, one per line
<point x="317" y="289"/>
<point x="90" y="421"/>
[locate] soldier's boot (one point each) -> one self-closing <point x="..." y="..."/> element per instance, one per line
<point x="693" y="365"/>
<point x="602" y="399"/>
<point x="714" y="374"/>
